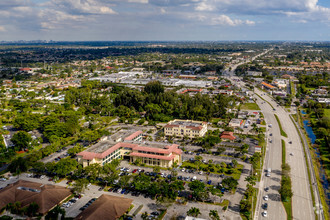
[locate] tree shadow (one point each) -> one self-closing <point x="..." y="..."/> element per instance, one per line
<point x="276" y="179"/>
<point x="240" y="191"/>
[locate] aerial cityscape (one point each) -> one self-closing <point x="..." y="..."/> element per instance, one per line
<point x="164" y="109"/>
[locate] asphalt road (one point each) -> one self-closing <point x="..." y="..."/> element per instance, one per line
<point x="302" y="205"/>
<point x="273" y="160"/>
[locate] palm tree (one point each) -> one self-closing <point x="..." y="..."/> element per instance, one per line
<point x="193" y="211"/>
<point x="214" y="215"/>
<point x="144" y="215"/>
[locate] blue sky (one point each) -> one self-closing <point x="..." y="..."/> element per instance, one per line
<point x="83" y="20"/>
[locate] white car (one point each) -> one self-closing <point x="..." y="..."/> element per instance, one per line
<point x="183" y="169"/>
<point x="264" y="213"/>
<point x="89" y="184"/>
<point x="268" y="174"/>
<point x="266" y="197"/>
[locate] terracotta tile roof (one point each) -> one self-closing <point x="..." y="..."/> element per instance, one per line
<point x="134" y="135"/>
<point x="153" y="156"/>
<point x="90" y="155"/>
<point x="268" y="85"/>
<point x="228" y="135"/>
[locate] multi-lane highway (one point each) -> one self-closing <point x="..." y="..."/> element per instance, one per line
<point x="273" y="160"/>
<point x="302" y="205"/>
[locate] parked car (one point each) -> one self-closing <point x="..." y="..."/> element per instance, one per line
<point x="265" y="206"/>
<point x="266" y="197"/>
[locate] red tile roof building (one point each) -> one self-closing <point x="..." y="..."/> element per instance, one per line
<point x="149" y="153"/>
<point x="268" y="86"/>
<point x="228" y="135"/>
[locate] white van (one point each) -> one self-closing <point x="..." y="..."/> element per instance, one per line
<point x="269" y="170"/>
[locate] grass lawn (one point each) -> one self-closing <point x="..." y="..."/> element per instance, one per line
<point x="327" y="113"/>
<point x="288" y="209"/>
<point x="279" y="124"/>
<point x="236" y="174"/>
<point x="250" y="106"/>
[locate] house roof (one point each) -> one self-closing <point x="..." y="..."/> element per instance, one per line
<point x="106" y="207"/>
<point x="228" y="135"/>
<point x="46" y="196"/>
<point x="134" y="135"/>
<point x="268" y="85"/>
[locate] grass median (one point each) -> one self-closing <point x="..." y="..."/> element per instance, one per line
<point x="279" y="124"/>
<point x="285" y="182"/>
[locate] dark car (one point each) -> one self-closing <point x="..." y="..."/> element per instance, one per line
<point x="265" y="206"/>
<point x="154" y="213"/>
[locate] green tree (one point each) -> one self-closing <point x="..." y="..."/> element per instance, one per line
<point x="94" y="170"/>
<point x="55" y="212"/>
<point x="18" y="166"/>
<point x="144" y="215"/>
<point x="197" y="188"/>
<point x="221" y="150"/>
<point x="230" y="183"/>
<point x="234" y="163"/>
<point x="80" y="185"/>
<point x="27" y="122"/>
<point x="154" y="87"/>
<point x="65" y="166"/>
<point x="194" y="212"/>
<point x="32" y="209"/>
<point x="214" y="215"/>
<point x="21" y="140"/>
<point x="251" y="179"/>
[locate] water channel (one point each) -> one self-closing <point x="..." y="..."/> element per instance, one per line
<point x="312" y="137"/>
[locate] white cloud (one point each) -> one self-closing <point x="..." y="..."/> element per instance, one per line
<point x="162" y="10"/>
<point x="53" y="19"/>
<point x="80" y="6"/>
<point x="227" y="21"/>
<point x="139" y="1"/>
<point x="203" y="6"/>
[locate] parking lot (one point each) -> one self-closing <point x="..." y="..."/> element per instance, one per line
<point x="56" y="156"/>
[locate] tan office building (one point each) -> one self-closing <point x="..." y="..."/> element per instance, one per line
<point x="189" y="128"/>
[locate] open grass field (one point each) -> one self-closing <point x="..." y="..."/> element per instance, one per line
<point x="250" y="106"/>
<point x="327" y="113"/>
